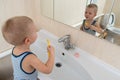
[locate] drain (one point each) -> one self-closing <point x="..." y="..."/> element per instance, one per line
<point x="58" y="64"/>
<point x="63" y="54"/>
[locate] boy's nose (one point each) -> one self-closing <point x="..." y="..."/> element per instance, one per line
<point x="87" y="14"/>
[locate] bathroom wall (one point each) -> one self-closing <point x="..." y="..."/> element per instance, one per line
<point x="100" y="48"/>
<point x="9" y="8"/>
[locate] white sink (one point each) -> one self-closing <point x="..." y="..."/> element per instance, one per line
<point x="65" y="66"/>
<point x="72" y="67"/>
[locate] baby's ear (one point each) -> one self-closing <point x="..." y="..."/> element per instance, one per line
<point x="27" y="41"/>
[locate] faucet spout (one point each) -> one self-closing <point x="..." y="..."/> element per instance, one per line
<point x="66" y="41"/>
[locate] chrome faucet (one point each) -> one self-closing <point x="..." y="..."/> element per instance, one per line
<point x="66" y="41"/>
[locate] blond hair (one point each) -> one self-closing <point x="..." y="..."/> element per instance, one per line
<point x="94" y="6"/>
<point x="16" y="29"/>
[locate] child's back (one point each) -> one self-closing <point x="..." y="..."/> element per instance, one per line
<point x="19" y="72"/>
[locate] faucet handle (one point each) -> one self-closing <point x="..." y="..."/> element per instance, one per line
<point x="62" y="39"/>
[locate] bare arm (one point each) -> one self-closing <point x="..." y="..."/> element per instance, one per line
<point x="43" y="67"/>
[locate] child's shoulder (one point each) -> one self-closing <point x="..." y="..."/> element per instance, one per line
<point x="31" y="54"/>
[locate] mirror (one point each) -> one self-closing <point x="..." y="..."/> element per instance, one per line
<point x="71" y="12"/>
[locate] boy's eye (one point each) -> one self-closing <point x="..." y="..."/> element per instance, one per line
<point x="90" y="13"/>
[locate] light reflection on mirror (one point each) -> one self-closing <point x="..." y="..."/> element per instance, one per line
<point x="71" y="12"/>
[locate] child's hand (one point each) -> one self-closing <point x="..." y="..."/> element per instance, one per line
<point x="50" y="49"/>
<point x="93" y="27"/>
<point x="87" y="24"/>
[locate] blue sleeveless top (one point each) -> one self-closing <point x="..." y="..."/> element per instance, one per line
<point x="19" y="73"/>
<point x="88" y="30"/>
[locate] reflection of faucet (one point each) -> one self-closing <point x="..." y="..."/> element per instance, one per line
<point x="66" y="41"/>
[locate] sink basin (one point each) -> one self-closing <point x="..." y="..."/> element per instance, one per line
<point x="64" y="62"/>
<point x="68" y="66"/>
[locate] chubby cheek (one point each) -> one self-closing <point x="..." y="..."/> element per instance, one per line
<point x="36" y="36"/>
<point x="33" y="38"/>
<point x="85" y="14"/>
